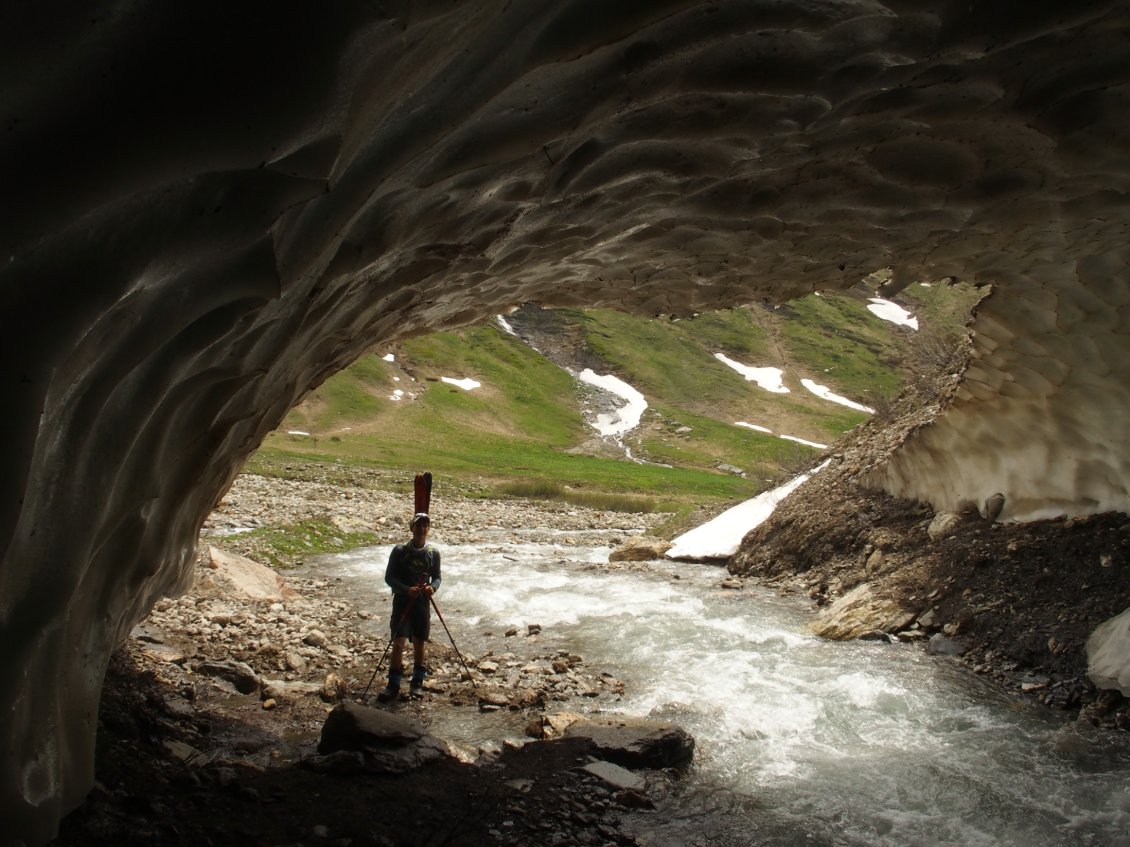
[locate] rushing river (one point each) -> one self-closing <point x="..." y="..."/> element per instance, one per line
<point x="800" y="741"/>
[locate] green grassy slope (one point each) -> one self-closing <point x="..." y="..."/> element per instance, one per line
<point x="675" y="363"/>
<point x="523" y="425"/>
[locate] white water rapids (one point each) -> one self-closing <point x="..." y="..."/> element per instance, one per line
<point x="800" y="741"/>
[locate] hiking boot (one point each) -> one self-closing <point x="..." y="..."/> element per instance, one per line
<point x="392" y="690"/>
<point x="416" y="689"/>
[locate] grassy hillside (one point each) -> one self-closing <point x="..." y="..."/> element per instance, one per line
<point x="522" y="429"/>
<point x="674" y="362"/>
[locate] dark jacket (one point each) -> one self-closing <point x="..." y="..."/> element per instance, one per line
<point x="407" y="564"/>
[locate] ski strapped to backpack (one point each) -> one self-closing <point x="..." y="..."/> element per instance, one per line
<point x="422" y="493"/>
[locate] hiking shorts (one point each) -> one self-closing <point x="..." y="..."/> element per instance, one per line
<point x="417" y="623"/>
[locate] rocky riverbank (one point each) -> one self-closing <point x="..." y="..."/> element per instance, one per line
<point x="214" y="708"/>
<point x="1015" y="604"/>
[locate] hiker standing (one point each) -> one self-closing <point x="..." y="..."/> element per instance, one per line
<point x="413" y="575"/>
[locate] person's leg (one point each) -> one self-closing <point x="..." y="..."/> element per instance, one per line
<point x="395" y="670"/>
<point x="421" y="621"/>
<point x="419" y="670"/>
<point x="397" y="659"/>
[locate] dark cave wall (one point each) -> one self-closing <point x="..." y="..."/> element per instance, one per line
<point x="209" y="209"/>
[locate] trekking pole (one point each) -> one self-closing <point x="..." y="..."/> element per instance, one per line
<point x="448" y="631"/>
<point x="392" y="638"/>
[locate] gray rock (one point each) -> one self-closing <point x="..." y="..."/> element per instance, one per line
<point x="493" y="697"/>
<point x="147" y="633"/>
<point x="944" y="645"/>
<point x="640" y="549"/>
<point x="636" y="742"/>
<point x="165" y="653"/>
<point x="943" y="523"/>
<point x="233" y="575"/>
<point x="993" y="507"/>
<point x="1108" y="654"/>
<point x="238" y="674"/>
<point x="425" y="751"/>
<point x="187" y="753"/>
<point x="616" y="776"/>
<point x="178" y="707"/>
<point x="860" y="611"/>
<point x="283" y="691"/>
<point x="353" y="727"/>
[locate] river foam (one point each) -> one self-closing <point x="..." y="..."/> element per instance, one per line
<point x="800" y="740"/>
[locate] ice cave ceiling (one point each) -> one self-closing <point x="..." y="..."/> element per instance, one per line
<point x="209" y="207"/>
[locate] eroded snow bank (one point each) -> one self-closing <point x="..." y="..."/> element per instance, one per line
<point x="720" y="538"/>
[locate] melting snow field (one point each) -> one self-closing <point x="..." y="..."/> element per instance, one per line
<point x="892" y="312"/>
<point x="771" y="379"/>
<point x="627" y="417"/>
<point x="815" y="444"/>
<point x="720" y="537"/>
<point x="822" y="392"/>
<point x="466" y="384"/>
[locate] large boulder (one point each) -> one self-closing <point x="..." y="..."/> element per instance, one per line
<point x="636" y="742"/>
<point x="640" y="549"/>
<point x="351" y="726"/>
<point x="860" y="612"/>
<point x="385" y="741"/>
<point x="1108" y="654"/>
<point x="230" y="574"/>
<point x="239" y="675"/>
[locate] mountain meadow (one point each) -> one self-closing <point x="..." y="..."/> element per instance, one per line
<point x="497" y="410"/>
